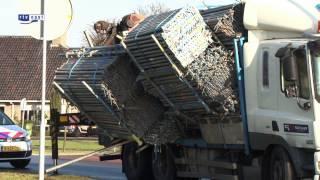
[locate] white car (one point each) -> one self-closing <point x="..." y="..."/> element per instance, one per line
<point x="15" y="143"/>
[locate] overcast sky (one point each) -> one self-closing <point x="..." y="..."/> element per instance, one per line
<point x="86" y="12"/>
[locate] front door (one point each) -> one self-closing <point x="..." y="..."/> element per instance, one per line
<point x="295" y="118"/>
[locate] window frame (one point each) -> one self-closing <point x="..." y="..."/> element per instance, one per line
<point x="282" y="80"/>
<point x="265" y="69"/>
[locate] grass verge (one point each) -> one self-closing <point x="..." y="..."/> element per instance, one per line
<point x="22" y="175"/>
<point x="72" y="147"/>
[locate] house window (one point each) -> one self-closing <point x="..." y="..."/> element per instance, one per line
<point x="265" y="69"/>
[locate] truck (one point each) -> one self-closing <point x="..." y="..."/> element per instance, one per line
<point x="277" y="63"/>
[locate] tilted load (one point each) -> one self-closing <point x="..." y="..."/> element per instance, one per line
<point x="153" y="93"/>
<point x="102" y="85"/>
<point x="73" y="77"/>
<point x="226" y="22"/>
<point x="193" y="70"/>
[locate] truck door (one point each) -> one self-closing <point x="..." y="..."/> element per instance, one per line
<point x="295" y="121"/>
<point x="267" y="85"/>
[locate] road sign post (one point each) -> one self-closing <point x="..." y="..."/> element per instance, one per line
<point x="54" y="119"/>
<point x="52" y="22"/>
<point x="43" y="95"/>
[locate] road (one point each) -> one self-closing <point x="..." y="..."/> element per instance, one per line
<point x="93" y="168"/>
<point x="108" y="170"/>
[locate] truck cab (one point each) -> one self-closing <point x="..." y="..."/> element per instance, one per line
<point x="284" y="113"/>
<point x="281" y="62"/>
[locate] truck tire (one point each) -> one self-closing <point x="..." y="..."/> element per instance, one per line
<point x="280" y="165"/>
<point x="20" y="164"/>
<point x="163" y="166"/>
<point x="137" y="166"/>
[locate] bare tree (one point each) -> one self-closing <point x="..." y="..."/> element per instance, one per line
<point x="152" y="9"/>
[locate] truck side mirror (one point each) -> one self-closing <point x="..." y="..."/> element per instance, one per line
<point x="290" y="69"/>
<point x="288" y="62"/>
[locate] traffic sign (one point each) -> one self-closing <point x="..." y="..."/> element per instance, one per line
<point x="58" y="17"/>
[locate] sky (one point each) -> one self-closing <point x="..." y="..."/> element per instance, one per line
<point x="86" y="12"/>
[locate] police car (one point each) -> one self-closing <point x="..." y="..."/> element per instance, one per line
<point x="15" y="143"/>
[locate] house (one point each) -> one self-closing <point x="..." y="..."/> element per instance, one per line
<point x="21" y="75"/>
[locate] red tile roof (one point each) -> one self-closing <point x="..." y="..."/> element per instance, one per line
<point x="21" y="67"/>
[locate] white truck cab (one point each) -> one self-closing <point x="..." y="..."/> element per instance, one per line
<point x="282" y="76"/>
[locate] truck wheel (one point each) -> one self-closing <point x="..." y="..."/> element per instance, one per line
<point x="137" y="166"/>
<point x="163" y="164"/>
<point x="20" y="164"/>
<point x="280" y="167"/>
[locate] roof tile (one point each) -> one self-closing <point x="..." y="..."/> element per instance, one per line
<point x="21" y="67"/>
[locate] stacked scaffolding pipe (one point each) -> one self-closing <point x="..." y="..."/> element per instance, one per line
<point x="226" y="22"/>
<point x="103" y="85"/>
<point x="183" y="64"/>
<point x="185" y="32"/>
<point x="90" y="69"/>
<point x="206" y="79"/>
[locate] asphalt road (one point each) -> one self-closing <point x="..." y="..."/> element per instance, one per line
<point x="108" y="170"/>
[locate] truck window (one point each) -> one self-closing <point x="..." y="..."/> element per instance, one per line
<point x="303" y="82"/>
<point x="265" y="69"/>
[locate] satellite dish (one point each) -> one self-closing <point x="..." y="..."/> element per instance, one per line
<point x="58" y="16"/>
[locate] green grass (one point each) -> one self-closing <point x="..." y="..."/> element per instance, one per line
<point x="17" y="175"/>
<point x="72" y="147"/>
